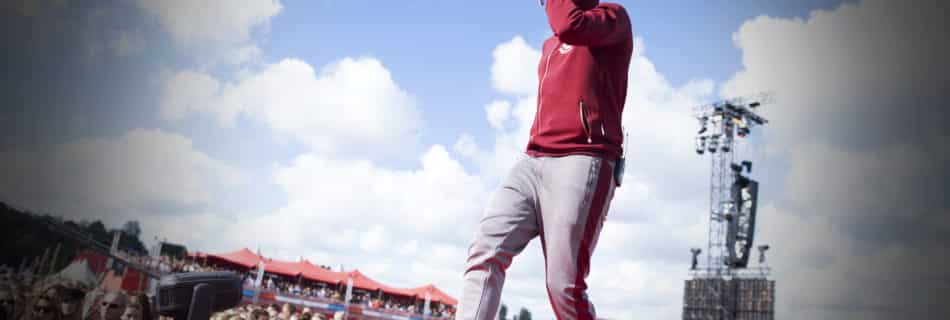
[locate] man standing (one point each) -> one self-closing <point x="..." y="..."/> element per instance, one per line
<point x="562" y="190"/>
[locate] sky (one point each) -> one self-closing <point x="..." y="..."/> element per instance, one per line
<point x="370" y="134"/>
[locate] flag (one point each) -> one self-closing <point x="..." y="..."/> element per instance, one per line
<point x="425" y="307"/>
<point x="349" y="289"/>
<point x="42" y="263"/>
<point x="52" y="264"/>
<point x="114" y="249"/>
<point x="258" y="280"/>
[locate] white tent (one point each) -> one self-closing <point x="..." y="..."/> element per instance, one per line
<point x="78" y="271"/>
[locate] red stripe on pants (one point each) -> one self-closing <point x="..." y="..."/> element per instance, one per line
<point x="581" y="304"/>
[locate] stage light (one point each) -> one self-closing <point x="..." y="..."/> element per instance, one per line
<point x="696" y="252"/>
<point x="702" y="125"/>
<point x="736" y="169"/>
<point x="762" y="250"/>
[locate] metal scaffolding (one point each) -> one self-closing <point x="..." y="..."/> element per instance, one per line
<point x="725" y="287"/>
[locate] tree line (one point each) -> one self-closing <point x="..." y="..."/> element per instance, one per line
<point x="25" y="236"/>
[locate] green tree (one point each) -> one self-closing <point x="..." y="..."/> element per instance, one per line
<point x="132" y="228"/>
<point x="503" y="312"/>
<point x="524" y="314"/>
<point x="98" y="231"/>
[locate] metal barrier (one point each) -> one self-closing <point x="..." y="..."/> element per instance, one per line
<point x="324" y="305"/>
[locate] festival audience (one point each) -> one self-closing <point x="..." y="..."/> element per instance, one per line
<point x="25" y="297"/>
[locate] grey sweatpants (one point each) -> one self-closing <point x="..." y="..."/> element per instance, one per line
<point x="562" y="199"/>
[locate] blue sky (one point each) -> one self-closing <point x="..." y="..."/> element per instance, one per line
<point x="371" y="134"/>
<point x="440" y="50"/>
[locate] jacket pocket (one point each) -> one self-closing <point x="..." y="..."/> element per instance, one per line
<point x="585" y="121"/>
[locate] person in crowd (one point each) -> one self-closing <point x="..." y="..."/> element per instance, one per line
<point x="132" y="312"/>
<point x="113" y="306"/>
<point x="272" y="311"/>
<point x="71" y="299"/>
<point x="141" y="302"/>
<point x="287" y="311"/>
<point x="8" y="302"/>
<point x="44" y="307"/>
<point x="259" y="314"/>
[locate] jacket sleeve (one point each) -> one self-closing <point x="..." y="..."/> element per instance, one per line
<point x="603" y="25"/>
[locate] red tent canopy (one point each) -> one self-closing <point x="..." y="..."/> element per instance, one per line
<point x="315" y="273"/>
<point x="363" y="282"/>
<point x="434" y="294"/>
<point x="243" y="257"/>
<point x="290" y="269"/>
<point x="248" y="259"/>
<point x="96" y="261"/>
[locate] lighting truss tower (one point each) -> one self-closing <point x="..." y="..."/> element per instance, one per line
<point x="725" y="287"/>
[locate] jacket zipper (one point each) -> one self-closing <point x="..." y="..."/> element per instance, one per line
<point x="547" y="63"/>
<point x="584" y="122"/>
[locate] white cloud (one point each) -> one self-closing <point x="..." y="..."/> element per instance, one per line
<point x="498" y="113"/>
<point x="143" y="172"/>
<point x="375" y="240"/>
<point x="466" y="146"/>
<point x="852" y="125"/>
<point x="320" y="188"/>
<point x="189" y="91"/>
<point x="514" y="69"/>
<point x="216" y="25"/>
<point x="842" y="75"/>
<point x="32" y="8"/>
<point x="95" y="33"/>
<point x="342" y="208"/>
<point x="823" y="260"/>
<point x="246" y="53"/>
<point x="351" y="106"/>
<point x="127" y="42"/>
<point x="362" y="215"/>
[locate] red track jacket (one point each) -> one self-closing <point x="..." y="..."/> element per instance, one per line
<point x="583" y="81"/>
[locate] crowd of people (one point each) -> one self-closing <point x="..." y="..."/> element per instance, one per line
<point x="25" y="296"/>
<point x="272" y="312"/>
<point x="300" y="288"/>
<point x="28" y="296"/>
<point x="307" y="289"/>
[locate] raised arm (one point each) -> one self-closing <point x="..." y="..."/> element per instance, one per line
<point x="603" y="25"/>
